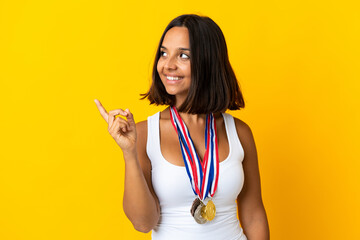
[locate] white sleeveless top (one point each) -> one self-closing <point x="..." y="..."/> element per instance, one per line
<point x="172" y="186"/>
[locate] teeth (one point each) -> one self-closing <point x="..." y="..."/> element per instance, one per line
<point x="173" y="78"/>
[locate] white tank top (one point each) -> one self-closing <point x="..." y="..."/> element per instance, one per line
<point x="172" y="186"/>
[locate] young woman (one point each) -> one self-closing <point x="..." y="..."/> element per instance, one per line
<point x="191" y="168"/>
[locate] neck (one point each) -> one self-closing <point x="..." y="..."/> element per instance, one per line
<point x="179" y="100"/>
<point x="187" y="117"/>
<point x="193" y="118"/>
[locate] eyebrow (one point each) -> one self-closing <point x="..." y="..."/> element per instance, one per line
<point x="185" y="49"/>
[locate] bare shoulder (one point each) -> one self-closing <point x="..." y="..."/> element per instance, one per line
<point x="240" y="124"/>
<point x="243" y="128"/>
<point x="141" y="128"/>
<point x="245" y="135"/>
<point x="141" y="132"/>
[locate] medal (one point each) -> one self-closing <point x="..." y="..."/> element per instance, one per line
<point x="196" y="210"/>
<point x="195" y="204"/>
<point x="203" y="175"/>
<point x="209" y="211"/>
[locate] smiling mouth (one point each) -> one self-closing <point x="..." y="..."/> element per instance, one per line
<point x="173" y="78"/>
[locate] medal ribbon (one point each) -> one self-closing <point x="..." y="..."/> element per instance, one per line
<point x="203" y="175"/>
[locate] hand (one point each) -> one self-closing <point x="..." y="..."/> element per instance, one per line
<point x="123" y="131"/>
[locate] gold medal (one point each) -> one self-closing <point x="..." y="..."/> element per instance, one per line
<point x="209" y="211"/>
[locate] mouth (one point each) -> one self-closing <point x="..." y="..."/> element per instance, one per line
<point x="173" y="78"/>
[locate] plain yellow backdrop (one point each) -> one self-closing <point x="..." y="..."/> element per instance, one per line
<point x="62" y="174"/>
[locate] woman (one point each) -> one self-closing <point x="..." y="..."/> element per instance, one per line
<point x="187" y="166"/>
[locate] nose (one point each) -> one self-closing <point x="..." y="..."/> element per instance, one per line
<point x="170" y="63"/>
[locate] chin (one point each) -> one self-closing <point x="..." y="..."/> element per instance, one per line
<point x="177" y="93"/>
<point x="171" y="92"/>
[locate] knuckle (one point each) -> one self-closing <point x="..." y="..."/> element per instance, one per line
<point x="112" y="112"/>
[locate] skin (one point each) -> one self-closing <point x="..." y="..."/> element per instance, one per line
<point x="140" y="202"/>
<point x="175" y="61"/>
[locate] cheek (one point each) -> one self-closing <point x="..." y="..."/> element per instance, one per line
<point x="187" y="70"/>
<point x="159" y="66"/>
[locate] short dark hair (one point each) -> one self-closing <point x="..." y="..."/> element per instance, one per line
<point x="214" y="87"/>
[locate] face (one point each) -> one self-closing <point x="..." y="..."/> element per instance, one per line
<point x="174" y="63"/>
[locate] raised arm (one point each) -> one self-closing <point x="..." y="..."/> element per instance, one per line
<point x="251" y="210"/>
<point x="140" y="203"/>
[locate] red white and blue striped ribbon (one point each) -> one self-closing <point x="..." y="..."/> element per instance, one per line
<point x="204" y="174"/>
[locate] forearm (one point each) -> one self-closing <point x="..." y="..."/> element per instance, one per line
<point x="257" y="228"/>
<point x="138" y="203"/>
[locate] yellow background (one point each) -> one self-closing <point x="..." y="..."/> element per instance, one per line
<point x="62" y="174"/>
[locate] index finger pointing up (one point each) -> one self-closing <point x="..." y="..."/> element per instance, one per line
<point x="102" y="110"/>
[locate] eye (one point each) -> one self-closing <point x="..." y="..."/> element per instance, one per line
<point x="162" y="53"/>
<point x="185" y="56"/>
